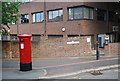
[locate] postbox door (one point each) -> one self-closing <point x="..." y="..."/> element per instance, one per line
<point x="25" y="51"/>
<point x="22" y="51"/>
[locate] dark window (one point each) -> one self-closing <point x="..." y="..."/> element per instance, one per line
<point x="55" y="36"/>
<point x="55" y="15"/>
<point x="13" y="37"/>
<point x="24" y="18"/>
<point x="73" y="35"/>
<point x="112" y="16"/>
<point x="118" y="18"/>
<point x="36" y="37"/>
<point x="4" y="37"/>
<point x="80" y="13"/>
<point x="38" y="17"/>
<point x="101" y="15"/>
<point x="14" y="20"/>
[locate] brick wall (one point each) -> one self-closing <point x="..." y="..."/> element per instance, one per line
<point x="112" y="49"/>
<point x="85" y="27"/>
<point x="52" y="47"/>
<point x="10" y="49"/>
<point x="59" y="47"/>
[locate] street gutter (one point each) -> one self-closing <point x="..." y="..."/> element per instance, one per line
<point x="82" y="71"/>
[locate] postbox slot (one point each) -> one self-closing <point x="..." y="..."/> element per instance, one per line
<point x="21" y="40"/>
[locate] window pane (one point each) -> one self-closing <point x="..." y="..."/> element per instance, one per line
<point x="91" y="13"/>
<point x="37" y="17"/>
<point x="4" y="37"/>
<point x="36" y="37"/>
<point x="13" y="37"/>
<point x="25" y="18"/>
<point x="42" y="17"/>
<point x="77" y="13"/>
<point x="50" y="15"/>
<point x="55" y="15"/>
<point x="101" y="15"/>
<point x="86" y="13"/>
<point x="60" y="14"/>
<point x="111" y="16"/>
<point x="70" y="13"/>
<point x="33" y="17"/>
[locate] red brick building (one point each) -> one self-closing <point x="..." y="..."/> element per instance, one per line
<point x="69" y="19"/>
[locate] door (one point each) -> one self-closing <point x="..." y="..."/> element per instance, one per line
<point x="101" y="40"/>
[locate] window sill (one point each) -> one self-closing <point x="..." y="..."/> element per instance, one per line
<point x="13" y="24"/>
<point x="24" y="23"/>
<point x="55" y="21"/>
<point x="102" y="20"/>
<point x="36" y="22"/>
<point x="113" y="21"/>
<point x="80" y="19"/>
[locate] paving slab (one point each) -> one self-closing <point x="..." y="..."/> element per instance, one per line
<point x="16" y="74"/>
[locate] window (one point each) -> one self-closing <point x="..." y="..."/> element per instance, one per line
<point x="38" y="17"/>
<point x="80" y="13"/>
<point x="0" y="36"/>
<point x="118" y="18"/>
<point x="24" y="18"/>
<point x="14" y="20"/>
<point x="55" y="15"/>
<point x="13" y="37"/>
<point x="73" y="35"/>
<point x="112" y="16"/>
<point x="4" y="37"/>
<point x="55" y="36"/>
<point x="36" y="37"/>
<point x="101" y="15"/>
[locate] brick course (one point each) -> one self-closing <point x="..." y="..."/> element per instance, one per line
<point x="112" y="49"/>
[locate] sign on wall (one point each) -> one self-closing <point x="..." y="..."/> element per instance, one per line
<point x="88" y="39"/>
<point x="73" y="42"/>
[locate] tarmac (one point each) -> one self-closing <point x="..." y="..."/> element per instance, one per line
<point x="41" y="73"/>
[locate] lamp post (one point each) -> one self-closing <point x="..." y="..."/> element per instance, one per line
<point x="17" y="28"/>
<point x="97" y="50"/>
<point x="44" y="17"/>
<point x="0" y="35"/>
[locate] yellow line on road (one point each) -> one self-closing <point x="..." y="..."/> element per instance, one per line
<point x="66" y="64"/>
<point x="73" y="63"/>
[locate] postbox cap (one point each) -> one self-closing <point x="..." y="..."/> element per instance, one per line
<point x="25" y="35"/>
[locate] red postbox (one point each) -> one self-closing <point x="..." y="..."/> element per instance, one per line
<point x="25" y="52"/>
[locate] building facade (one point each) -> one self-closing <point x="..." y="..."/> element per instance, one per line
<point x="69" y="19"/>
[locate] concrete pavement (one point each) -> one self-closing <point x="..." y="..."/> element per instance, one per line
<point x="105" y="74"/>
<point x="16" y="74"/>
